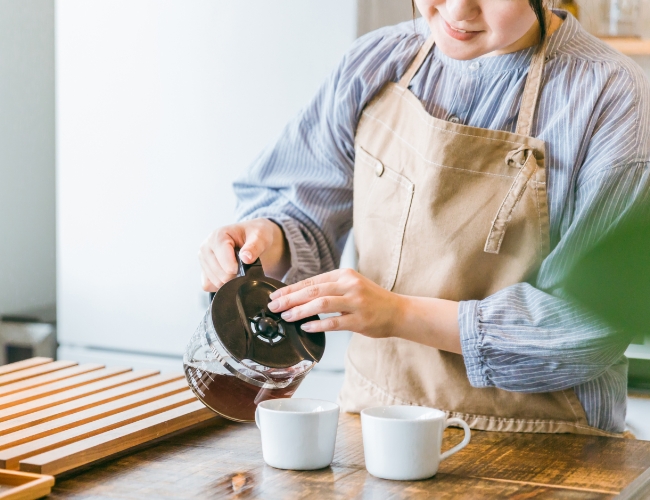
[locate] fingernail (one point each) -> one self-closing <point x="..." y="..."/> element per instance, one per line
<point x="286" y="315"/>
<point x="246" y="255"/>
<point x="273" y="305"/>
<point x="274" y="295"/>
<point x="307" y="327"/>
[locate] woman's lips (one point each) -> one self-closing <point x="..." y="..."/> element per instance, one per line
<point x="461" y="35"/>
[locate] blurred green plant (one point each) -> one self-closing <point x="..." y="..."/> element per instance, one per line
<point x="613" y="279"/>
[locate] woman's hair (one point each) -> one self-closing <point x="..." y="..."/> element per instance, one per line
<point x="540" y="13"/>
<point x="538" y="9"/>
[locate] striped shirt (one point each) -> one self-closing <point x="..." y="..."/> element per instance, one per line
<point x="593" y="114"/>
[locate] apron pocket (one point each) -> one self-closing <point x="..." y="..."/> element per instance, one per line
<point x="381" y="208"/>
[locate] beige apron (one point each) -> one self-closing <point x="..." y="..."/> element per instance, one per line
<point x="455" y="212"/>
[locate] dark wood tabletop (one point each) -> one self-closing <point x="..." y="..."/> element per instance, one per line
<point x="224" y="460"/>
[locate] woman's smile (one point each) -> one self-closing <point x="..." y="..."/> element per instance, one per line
<point x="467" y="29"/>
<point x="457" y="33"/>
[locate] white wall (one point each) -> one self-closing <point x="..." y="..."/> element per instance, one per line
<point x="27" y="235"/>
<point x="160" y="104"/>
<point x="373" y="14"/>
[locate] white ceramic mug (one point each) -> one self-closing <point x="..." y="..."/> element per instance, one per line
<point x="297" y="433"/>
<point x="403" y="442"/>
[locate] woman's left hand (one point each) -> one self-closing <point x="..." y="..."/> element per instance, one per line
<point x="365" y="307"/>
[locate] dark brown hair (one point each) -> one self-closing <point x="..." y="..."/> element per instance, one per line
<point x="538" y="9"/>
<point x="540" y="13"/>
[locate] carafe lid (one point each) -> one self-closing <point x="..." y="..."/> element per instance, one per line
<point x="247" y="328"/>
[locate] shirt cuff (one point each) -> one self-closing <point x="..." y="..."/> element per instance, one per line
<point x="471" y="341"/>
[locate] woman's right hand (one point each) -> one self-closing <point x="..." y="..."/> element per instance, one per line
<point x="255" y="238"/>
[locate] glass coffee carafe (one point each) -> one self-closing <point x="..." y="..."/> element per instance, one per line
<point x="242" y="354"/>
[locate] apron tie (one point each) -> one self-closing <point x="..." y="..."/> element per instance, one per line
<point x="516" y="157"/>
<point x="524" y="159"/>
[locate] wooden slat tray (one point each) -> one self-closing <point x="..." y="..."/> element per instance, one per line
<point x="24" y="485"/>
<point x="56" y="416"/>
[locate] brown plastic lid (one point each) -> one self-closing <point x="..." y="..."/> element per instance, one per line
<point x="249" y="330"/>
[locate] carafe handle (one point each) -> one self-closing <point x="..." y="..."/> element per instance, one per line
<point x="251" y="270"/>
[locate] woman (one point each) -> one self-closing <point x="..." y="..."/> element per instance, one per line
<point x="481" y="167"/>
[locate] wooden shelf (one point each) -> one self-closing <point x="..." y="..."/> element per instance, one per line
<point x="629" y="46"/>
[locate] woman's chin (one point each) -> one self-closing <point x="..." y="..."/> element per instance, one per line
<point x="456" y="50"/>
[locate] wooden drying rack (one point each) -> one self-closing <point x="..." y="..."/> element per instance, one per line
<point x="56" y="416"/>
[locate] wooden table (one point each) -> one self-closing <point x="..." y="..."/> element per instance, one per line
<point x="224" y="460"/>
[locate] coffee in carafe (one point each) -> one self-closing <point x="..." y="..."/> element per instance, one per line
<point x="242" y="354"/>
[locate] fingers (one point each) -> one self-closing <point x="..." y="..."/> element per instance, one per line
<point x="331" y="324"/>
<point x="206" y="284"/>
<point x="212" y="276"/>
<point x="217" y="253"/>
<point x="256" y="240"/>
<point x="329" y="277"/>
<point x="303" y="296"/>
<point x="318" y="306"/>
<point x="217" y="259"/>
<point x="250" y="252"/>
<point x="222" y="244"/>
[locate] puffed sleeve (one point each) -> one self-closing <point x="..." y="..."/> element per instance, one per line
<point x="530" y="337"/>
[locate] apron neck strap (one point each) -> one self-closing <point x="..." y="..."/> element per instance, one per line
<point x="417" y="62"/>
<point x="531" y="91"/>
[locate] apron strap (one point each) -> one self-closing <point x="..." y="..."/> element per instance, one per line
<point x="417" y="62"/>
<point x="524" y="156"/>
<point x="531" y="91"/>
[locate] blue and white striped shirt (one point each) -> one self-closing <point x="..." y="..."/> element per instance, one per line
<point x="593" y="114"/>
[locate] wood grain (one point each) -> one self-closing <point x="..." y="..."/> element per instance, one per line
<point x="62" y="420"/>
<point x="10" y="457"/>
<point x="77" y="418"/>
<point x="639" y="489"/>
<point x="24" y="486"/>
<point x="70" y="408"/>
<point x="30" y="383"/>
<point x="108" y="443"/>
<point x="21" y="365"/>
<point x="77" y="392"/>
<point x="36" y="393"/>
<point x="585" y="462"/>
<point x="15" y="376"/>
<point x="224" y="460"/>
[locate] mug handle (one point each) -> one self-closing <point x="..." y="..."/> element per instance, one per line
<point x="257" y="418"/>
<point x="463" y="443"/>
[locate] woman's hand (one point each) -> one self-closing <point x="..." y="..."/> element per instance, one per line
<point x="365" y="307"/>
<point x="369" y="309"/>
<point x="255" y="238"/>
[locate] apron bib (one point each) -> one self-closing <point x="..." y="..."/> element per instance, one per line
<point x="455" y="212"/>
